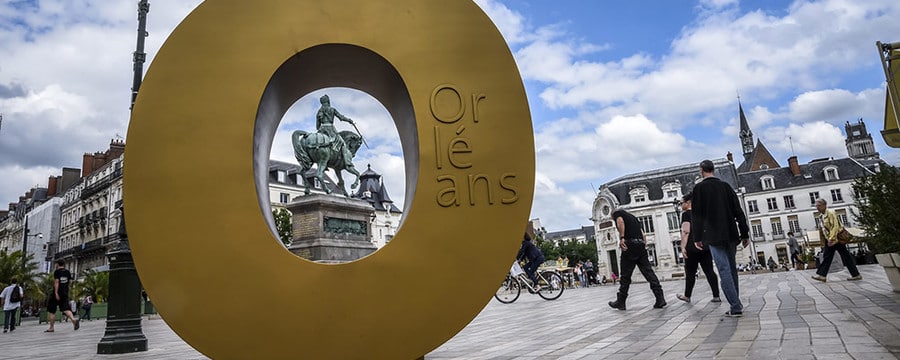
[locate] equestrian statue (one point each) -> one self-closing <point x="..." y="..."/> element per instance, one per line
<point x="327" y="148"/>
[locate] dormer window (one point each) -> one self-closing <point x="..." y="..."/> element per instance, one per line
<point x="639" y="194"/>
<point x="768" y="182"/>
<point x="281" y="175"/>
<point x="672" y="190"/>
<point x="367" y="194"/>
<point x="831" y="173"/>
<point x="764" y="166"/>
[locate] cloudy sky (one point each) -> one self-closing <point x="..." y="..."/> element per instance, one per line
<point x="615" y="87"/>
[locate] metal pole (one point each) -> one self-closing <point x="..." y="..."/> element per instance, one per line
<point x="139" y="55"/>
<point x="123" y="322"/>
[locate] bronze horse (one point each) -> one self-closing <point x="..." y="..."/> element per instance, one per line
<point x="316" y="148"/>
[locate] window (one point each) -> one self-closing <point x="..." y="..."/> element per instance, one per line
<point x="676" y="246"/>
<point x="646" y="223"/>
<point x="674" y="221"/>
<point x="285" y="198"/>
<point x="813" y="196"/>
<point x="768" y="183"/>
<point x="831" y="174"/>
<point x="671" y="194"/>
<point x="794" y="224"/>
<point x="776" y="226"/>
<point x="789" y="202"/>
<point x="858" y="195"/>
<point x="842" y="217"/>
<point x="772" y="203"/>
<point x="836" y="195"/>
<point x="281" y="174"/>
<point x="752" y="207"/>
<point x="756" y="228"/>
<point x="818" y="220"/>
<point x="651" y="254"/>
<point x="640" y="198"/>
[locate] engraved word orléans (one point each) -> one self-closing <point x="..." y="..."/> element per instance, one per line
<point x="454" y="150"/>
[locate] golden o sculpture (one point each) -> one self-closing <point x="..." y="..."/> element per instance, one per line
<point x="196" y="195"/>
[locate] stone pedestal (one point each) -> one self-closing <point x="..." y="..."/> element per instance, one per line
<point x="331" y="229"/>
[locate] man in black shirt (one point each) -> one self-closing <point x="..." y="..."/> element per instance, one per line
<point x="60" y="296"/>
<point x="719" y="223"/>
<point x="534" y="256"/>
<point x="634" y="253"/>
<point x="694" y="254"/>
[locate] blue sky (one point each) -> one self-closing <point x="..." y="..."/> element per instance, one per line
<point x="626" y="86"/>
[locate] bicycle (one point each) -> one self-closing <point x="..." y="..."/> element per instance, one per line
<point x="550" y="281"/>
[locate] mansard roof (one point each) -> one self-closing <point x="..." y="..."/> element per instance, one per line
<point x="654" y="180"/>
<point x="812" y="173"/>
<point x="292" y="171"/>
<point x="371" y="185"/>
<point x="759" y="157"/>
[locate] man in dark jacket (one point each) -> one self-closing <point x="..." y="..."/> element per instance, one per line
<point x="634" y="253"/>
<point x="719" y="223"/>
<point x="534" y="256"/>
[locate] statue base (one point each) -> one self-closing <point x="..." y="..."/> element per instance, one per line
<point x="331" y="229"/>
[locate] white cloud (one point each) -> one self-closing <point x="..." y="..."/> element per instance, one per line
<point x="809" y="140"/>
<point x="836" y="105"/>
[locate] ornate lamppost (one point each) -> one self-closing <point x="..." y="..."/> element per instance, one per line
<point x="123" y="322"/>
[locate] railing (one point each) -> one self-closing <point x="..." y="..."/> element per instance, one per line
<point x="95" y="187"/>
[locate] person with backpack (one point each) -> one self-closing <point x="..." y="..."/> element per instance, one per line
<point x="86" y="305"/>
<point x="12" y="299"/>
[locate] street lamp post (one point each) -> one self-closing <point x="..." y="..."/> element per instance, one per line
<point x="123" y="322"/>
<point x="25" y="237"/>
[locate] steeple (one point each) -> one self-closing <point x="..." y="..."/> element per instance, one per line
<point x="746" y="134"/>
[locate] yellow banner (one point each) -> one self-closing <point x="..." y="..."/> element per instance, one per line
<point x="890" y="58"/>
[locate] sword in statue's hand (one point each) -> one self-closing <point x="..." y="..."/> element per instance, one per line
<point x="359" y="133"/>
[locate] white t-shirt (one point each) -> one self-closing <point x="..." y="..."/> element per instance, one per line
<point x="7" y="292"/>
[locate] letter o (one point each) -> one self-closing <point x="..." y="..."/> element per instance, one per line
<point x="434" y="105"/>
<point x="196" y="192"/>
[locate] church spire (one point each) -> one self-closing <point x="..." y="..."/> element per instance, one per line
<point x="746" y="134"/>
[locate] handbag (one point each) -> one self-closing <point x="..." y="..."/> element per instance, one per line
<point x="844" y="236"/>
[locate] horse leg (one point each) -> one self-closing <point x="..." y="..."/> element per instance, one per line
<point x="320" y="174"/>
<point x="353" y="171"/>
<point x="305" y="181"/>
<point x="341" y="182"/>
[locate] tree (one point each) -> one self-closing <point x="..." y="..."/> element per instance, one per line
<point x="11" y="267"/>
<point x="95" y="284"/>
<point x="283" y="225"/>
<point x="878" y="196"/>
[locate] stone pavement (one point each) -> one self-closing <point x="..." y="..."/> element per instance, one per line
<point x="787" y="315"/>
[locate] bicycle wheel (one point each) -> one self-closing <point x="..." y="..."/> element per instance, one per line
<point x="509" y="290"/>
<point x="551" y="285"/>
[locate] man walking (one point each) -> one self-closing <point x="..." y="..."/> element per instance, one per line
<point x="794" y="247"/>
<point x="12" y="299"/>
<point x="829" y="231"/>
<point x="60" y="296"/>
<point x="694" y="257"/>
<point x="718" y="222"/>
<point x="634" y="253"/>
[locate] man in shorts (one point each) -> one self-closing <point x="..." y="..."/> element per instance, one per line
<point x="60" y="296"/>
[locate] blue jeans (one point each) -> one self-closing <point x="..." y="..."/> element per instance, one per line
<point x="723" y="255"/>
<point x="530" y="269"/>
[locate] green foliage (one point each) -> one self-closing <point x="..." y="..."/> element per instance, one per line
<point x="879" y="214"/>
<point x="11" y="267"/>
<point x="95" y="284"/>
<point x="283" y="224"/>
<point x="571" y="248"/>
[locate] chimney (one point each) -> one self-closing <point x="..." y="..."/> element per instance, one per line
<point x="116" y="148"/>
<point x="51" y="186"/>
<point x="87" y="165"/>
<point x="730" y="157"/>
<point x="794" y="165"/>
<point x="12" y="206"/>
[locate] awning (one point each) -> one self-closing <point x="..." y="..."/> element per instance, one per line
<point x="890" y="60"/>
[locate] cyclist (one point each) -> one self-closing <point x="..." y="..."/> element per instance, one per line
<point x="534" y="256"/>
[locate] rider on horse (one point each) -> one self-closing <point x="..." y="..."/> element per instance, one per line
<point x="325" y="125"/>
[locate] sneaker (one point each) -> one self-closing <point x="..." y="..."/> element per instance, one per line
<point x="683" y="298"/>
<point x="77" y="324"/>
<point x="734" y="314"/>
<point x="854" y="278"/>
<point x="715" y="299"/>
<point x="818" y="277"/>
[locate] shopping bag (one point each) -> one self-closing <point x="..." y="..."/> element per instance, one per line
<point x="516" y="269"/>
